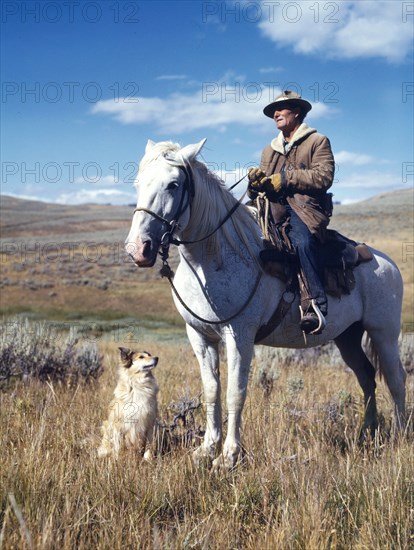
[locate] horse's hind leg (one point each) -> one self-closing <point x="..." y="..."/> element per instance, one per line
<point x="386" y="349"/>
<point x="349" y="345"/>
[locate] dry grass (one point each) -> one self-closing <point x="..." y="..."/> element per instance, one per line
<point x="385" y="222"/>
<point x="303" y="482"/>
<point x="59" y="261"/>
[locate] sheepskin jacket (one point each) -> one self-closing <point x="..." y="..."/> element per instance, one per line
<point x="307" y="170"/>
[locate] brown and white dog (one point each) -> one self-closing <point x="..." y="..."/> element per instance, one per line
<point x="133" y="410"/>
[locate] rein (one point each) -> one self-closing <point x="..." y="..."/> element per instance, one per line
<point x="223" y="221"/>
<point x="174" y="222"/>
<point x="167" y="239"/>
<point x="208" y="321"/>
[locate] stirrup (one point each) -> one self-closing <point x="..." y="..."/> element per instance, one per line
<point x="316" y="312"/>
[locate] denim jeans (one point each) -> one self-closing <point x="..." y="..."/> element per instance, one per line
<point x="306" y="247"/>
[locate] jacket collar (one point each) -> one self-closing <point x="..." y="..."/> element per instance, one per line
<point x="303" y="131"/>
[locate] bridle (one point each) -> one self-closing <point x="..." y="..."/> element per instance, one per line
<point x="188" y="190"/>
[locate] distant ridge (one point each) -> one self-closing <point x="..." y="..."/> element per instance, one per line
<point x="7" y="201"/>
<point x="31" y="231"/>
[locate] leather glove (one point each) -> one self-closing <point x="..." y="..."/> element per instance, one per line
<point x="272" y="184"/>
<point x="252" y="193"/>
<point x="255" y="175"/>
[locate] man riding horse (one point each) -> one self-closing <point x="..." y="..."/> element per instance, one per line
<point x="296" y="170"/>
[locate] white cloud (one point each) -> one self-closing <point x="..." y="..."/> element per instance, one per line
<point x="216" y="105"/>
<point x="99" y="180"/>
<point x="360" y="186"/>
<point x="267" y="70"/>
<point x="349" y="158"/>
<point x="352" y="201"/>
<point x="341" y="30"/>
<point x="369" y="180"/>
<point x="99" y="196"/>
<point x="172" y="77"/>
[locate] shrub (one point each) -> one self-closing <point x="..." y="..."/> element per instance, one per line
<point x="40" y="350"/>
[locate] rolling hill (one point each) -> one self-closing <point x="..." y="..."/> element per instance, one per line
<point x="62" y="262"/>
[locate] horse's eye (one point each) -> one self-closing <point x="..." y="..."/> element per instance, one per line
<point x="172" y="185"/>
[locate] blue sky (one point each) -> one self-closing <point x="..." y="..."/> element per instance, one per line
<point x="86" y="83"/>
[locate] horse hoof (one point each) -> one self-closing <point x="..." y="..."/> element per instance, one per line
<point x="201" y="458"/>
<point x="223" y="465"/>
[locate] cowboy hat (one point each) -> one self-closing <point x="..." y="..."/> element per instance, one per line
<point x="287" y="99"/>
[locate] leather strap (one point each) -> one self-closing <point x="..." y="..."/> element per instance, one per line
<point x="275" y="320"/>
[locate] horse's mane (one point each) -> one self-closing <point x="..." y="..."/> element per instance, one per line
<point x="211" y="203"/>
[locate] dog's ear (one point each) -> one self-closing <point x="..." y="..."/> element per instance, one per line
<point x="126" y="354"/>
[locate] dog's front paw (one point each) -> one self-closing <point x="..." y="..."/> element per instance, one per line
<point x="148" y="456"/>
<point x="102" y="452"/>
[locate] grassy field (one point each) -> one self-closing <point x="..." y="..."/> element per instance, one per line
<point x="385" y="222"/>
<point x="303" y="483"/>
<point x="68" y="261"/>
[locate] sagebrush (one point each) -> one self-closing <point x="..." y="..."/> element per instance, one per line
<point x="40" y="350"/>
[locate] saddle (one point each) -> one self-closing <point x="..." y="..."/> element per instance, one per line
<point x="339" y="256"/>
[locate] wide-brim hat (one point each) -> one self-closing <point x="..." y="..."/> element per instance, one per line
<point x="287" y="99"/>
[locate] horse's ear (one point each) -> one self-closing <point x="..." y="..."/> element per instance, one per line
<point x="190" y="152"/>
<point x="149" y="146"/>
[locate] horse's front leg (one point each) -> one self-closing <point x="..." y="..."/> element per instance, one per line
<point x="208" y="357"/>
<point x="239" y="356"/>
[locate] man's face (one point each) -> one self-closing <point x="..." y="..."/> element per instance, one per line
<point x="286" y="119"/>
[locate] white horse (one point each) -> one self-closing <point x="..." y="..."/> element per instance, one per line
<point x="223" y="294"/>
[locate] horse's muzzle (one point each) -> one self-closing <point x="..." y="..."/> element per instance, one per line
<point x="142" y="253"/>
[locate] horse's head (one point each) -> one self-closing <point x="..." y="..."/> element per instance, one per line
<point x="165" y="186"/>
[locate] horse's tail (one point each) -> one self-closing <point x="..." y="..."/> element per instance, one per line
<point x="372" y="353"/>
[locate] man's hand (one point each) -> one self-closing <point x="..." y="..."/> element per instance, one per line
<point x="255" y="175"/>
<point x="259" y="182"/>
<point x="272" y="183"/>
